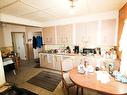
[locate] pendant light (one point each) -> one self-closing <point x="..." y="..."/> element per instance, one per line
<point x="72" y="7"/>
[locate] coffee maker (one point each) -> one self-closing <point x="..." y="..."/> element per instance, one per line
<point x="76" y="49"/>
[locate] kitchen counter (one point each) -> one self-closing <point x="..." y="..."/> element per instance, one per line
<point x="69" y="54"/>
<point x="53" y="60"/>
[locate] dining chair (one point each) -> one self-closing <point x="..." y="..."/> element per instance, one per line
<point x="66" y="66"/>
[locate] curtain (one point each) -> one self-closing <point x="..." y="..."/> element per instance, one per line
<point x="123" y="48"/>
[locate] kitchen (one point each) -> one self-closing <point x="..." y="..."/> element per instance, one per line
<point x="89" y="32"/>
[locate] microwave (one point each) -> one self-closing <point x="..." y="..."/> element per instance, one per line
<point x="91" y="50"/>
<point x="88" y="50"/>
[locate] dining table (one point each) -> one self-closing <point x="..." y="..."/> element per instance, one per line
<point x="89" y="81"/>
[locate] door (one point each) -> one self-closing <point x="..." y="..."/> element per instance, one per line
<point x="18" y="41"/>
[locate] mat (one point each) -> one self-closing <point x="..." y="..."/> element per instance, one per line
<point x="17" y="91"/>
<point x="46" y="80"/>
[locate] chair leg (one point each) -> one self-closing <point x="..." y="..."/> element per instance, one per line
<point x="81" y="91"/>
<point x="67" y="91"/>
<point x="62" y="85"/>
<point x="77" y="90"/>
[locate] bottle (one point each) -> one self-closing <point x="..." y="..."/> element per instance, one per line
<point x="110" y="67"/>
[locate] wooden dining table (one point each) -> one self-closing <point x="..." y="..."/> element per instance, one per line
<point x="89" y="81"/>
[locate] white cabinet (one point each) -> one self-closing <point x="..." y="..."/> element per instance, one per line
<point x="86" y="33"/>
<point x="52" y="61"/>
<point x="58" y="59"/>
<point x="57" y="62"/>
<point x="49" y="35"/>
<point x="92" y="33"/>
<point x="108" y="32"/>
<point x="80" y="33"/>
<point x="64" y="34"/>
<point x="46" y="60"/>
<point x="96" y="33"/>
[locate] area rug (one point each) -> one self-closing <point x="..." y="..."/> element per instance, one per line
<point x="46" y="80"/>
<point x="14" y="90"/>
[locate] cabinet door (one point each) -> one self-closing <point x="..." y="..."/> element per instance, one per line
<point x="108" y="32"/>
<point x="57" y="62"/>
<point x="49" y="35"/>
<point x="92" y="33"/>
<point x="81" y="37"/>
<point x="64" y="34"/>
<point x="42" y="60"/>
<point x="46" y="60"/>
<point x="86" y="33"/>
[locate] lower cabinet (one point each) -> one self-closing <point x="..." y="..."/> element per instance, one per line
<point x="57" y="62"/>
<point x="46" y="60"/>
<point x="52" y="61"/>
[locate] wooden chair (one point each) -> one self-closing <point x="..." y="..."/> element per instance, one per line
<point x="66" y="66"/>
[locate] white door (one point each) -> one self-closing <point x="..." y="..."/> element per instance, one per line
<point x="19" y="45"/>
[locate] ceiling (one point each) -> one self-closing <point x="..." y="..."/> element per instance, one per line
<point x="45" y="10"/>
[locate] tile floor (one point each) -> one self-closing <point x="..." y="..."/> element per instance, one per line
<point x="27" y="70"/>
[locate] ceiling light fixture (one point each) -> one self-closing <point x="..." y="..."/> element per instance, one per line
<point x="72" y="7"/>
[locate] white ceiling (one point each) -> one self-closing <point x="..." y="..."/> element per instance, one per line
<point x="45" y="10"/>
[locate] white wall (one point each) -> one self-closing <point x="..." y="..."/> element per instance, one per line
<point x="7" y="29"/>
<point x="87" y="18"/>
<point x="33" y="31"/>
<point x="30" y="32"/>
<point x="1" y="36"/>
<point x="18" y="20"/>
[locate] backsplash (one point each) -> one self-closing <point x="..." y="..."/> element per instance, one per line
<point x="104" y="49"/>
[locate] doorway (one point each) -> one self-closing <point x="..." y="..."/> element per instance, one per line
<point x="18" y="41"/>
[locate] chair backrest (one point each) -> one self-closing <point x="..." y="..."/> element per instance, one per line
<point x="67" y="64"/>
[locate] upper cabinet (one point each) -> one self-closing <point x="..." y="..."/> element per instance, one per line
<point x="96" y="33"/>
<point x="80" y="33"/>
<point x="64" y="34"/>
<point x="108" y="28"/>
<point x="49" y="35"/>
<point x="86" y="33"/>
<point x="92" y="33"/>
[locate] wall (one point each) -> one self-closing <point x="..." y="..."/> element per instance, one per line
<point x="32" y="31"/>
<point x="87" y="18"/>
<point x="18" y="20"/>
<point x="7" y="29"/>
<point x="6" y="38"/>
<point x="1" y="36"/>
